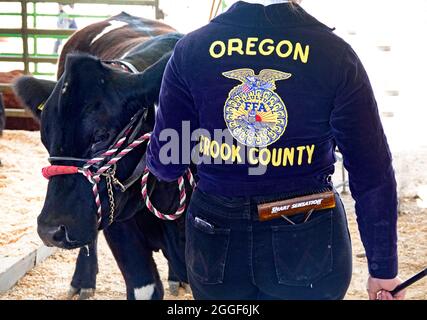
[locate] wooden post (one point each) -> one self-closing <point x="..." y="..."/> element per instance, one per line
<point x="157" y="10"/>
<point x="24" y="32"/>
<point x="35" y="38"/>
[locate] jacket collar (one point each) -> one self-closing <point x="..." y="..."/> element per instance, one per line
<point x="266" y="2"/>
<point x="247" y="14"/>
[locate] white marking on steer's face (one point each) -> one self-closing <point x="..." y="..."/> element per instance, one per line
<point x="113" y="26"/>
<point x="144" y="293"/>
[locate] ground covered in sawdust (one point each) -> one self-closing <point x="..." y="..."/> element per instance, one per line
<point x="412" y="229"/>
<point x="22" y="190"/>
<point x="21" y="195"/>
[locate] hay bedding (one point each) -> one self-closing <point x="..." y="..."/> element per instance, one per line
<point x="22" y="190"/>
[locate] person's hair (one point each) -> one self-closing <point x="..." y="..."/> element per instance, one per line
<point x="294" y="4"/>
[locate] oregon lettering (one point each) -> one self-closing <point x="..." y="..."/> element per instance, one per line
<point x="254" y="113"/>
<point x="253" y="46"/>
<point x="277" y="157"/>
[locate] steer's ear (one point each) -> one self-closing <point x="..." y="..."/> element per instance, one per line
<point x="33" y="93"/>
<point x="145" y="87"/>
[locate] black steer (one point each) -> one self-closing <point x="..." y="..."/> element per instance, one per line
<point x="80" y="117"/>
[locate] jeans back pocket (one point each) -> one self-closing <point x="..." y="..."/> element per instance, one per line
<point x="303" y="252"/>
<point x="206" y="250"/>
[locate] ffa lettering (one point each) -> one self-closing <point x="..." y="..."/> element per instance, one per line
<point x="255" y="106"/>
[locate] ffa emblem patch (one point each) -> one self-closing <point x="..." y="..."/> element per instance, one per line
<point x="256" y="115"/>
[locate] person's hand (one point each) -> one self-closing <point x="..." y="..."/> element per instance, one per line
<point x="378" y="289"/>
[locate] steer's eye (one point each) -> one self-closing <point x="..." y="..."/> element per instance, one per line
<point x="100" y="138"/>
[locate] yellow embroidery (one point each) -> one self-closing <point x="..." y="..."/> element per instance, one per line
<point x="278" y="157"/>
<point x="253" y="46"/>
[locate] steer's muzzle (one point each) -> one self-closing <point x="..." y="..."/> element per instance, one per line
<point x="57" y="237"/>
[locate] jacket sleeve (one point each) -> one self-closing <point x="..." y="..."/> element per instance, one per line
<point x="169" y="149"/>
<point x="359" y="134"/>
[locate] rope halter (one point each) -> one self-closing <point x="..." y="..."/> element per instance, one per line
<point x="105" y="165"/>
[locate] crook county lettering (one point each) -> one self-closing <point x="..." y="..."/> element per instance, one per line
<point x="278" y="157"/>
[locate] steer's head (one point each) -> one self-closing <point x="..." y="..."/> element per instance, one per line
<point x="80" y="117"/>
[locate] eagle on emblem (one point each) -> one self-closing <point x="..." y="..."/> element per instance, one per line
<point x="265" y="80"/>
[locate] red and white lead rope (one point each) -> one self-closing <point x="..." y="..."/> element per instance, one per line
<point x="95" y="178"/>
<point x="182" y="196"/>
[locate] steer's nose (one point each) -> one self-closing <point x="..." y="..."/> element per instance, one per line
<point x="59" y="235"/>
<point x="54" y="236"/>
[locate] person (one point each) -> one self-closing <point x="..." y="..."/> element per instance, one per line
<point x="272" y="92"/>
<point x="64" y="22"/>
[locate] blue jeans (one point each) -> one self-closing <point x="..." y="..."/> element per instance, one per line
<point x="230" y="254"/>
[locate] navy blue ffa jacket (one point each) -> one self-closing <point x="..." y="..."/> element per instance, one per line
<point x="287" y="91"/>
